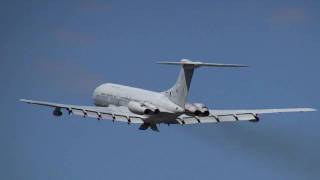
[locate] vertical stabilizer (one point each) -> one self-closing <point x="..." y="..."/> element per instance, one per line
<point x="179" y="92"/>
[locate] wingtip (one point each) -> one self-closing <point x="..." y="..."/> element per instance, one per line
<point x="24" y="100"/>
<point x="243" y="65"/>
<point x="310" y="109"/>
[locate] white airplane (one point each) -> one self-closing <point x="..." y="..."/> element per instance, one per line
<point x="132" y="105"/>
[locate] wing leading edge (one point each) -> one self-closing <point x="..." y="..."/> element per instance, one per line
<point x="110" y="113"/>
<point x="122" y="114"/>
<point x="236" y="115"/>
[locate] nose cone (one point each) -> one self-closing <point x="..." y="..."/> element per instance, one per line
<point x="95" y="95"/>
<point x="97" y="100"/>
<point x="100" y="89"/>
<point x="96" y="92"/>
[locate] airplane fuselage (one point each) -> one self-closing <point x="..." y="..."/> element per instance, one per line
<point x="119" y="95"/>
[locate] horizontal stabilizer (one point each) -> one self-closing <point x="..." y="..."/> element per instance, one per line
<point x="200" y="64"/>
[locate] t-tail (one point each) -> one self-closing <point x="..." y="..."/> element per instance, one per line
<point x="178" y="93"/>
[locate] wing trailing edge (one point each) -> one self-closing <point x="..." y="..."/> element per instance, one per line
<point x="217" y="116"/>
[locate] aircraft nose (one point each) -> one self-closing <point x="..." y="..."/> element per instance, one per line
<point x="96" y="92"/>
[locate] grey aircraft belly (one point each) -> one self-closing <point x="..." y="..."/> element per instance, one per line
<point x="148" y="108"/>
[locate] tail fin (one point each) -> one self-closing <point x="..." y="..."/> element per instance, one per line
<point x="179" y="92"/>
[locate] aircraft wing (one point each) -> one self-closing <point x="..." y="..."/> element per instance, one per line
<point x="235" y="115"/>
<point x="110" y="113"/>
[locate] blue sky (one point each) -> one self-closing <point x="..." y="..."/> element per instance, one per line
<point x="60" y="51"/>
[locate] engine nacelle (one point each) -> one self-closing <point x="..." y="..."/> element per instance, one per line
<point x="152" y="107"/>
<point x="197" y="109"/>
<point x="142" y="108"/>
<point x="191" y="108"/>
<point x="204" y="109"/>
<point x="57" y="112"/>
